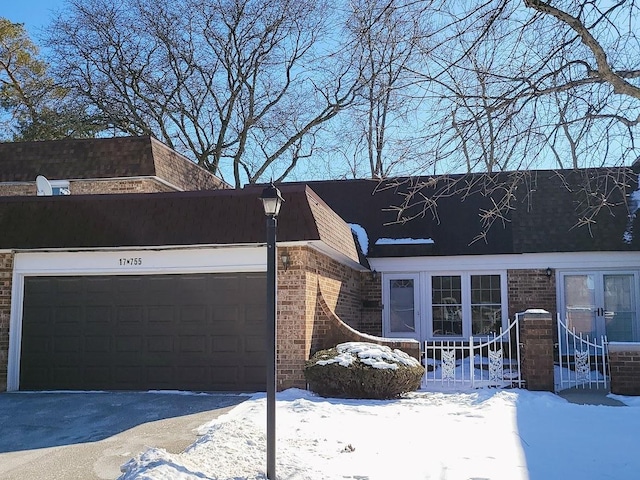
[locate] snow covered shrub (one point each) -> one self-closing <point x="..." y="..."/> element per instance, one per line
<point x="362" y="370"/>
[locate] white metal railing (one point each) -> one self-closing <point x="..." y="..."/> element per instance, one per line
<point x="481" y="361"/>
<point x="582" y="361"/>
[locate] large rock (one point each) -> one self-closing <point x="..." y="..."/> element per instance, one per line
<point x="362" y="370"/>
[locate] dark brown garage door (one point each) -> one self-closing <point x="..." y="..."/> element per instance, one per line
<point x="188" y="332"/>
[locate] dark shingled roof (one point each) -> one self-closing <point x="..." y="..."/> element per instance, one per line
<point x="160" y="219"/>
<point x="99" y="158"/>
<point x="544" y="219"/>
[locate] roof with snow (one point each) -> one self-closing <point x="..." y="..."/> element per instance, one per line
<point x="547" y="209"/>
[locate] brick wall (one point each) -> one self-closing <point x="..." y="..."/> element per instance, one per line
<point x="531" y="289"/>
<point x="6" y="275"/>
<point x="17" y="190"/>
<point x="624" y="365"/>
<point x="143" y="185"/>
<point x="296" y="303"/>
<point x="371" y="314"/>
<point x="87" y="187"/>
<point x="316" y="294"/>
<point x="536" y="337"/>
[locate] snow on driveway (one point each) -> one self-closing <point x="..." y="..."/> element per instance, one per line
<point x="487" y="434"/>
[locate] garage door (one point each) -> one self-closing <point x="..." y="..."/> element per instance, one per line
<point x="189" y="332"/>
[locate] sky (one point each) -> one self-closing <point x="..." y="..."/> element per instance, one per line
<point x="35" y="14"/>
<point x="487" y="434"/>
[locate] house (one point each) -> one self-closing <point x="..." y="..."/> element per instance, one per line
<point x="167" y="290"/>
<point x="97" y="166"/>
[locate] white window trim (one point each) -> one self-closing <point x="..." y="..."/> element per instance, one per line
<point x="424" y="313"/>
<point x="466" y="300"/>
<point x="59" y="184"/>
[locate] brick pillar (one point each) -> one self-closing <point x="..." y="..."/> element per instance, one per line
<point x="624" y="363"/>
<point x="536" y="336"/>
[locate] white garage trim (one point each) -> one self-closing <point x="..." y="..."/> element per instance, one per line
<point x="120" y="262"/>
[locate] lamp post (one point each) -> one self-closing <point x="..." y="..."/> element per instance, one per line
<point x="271" y="201"/>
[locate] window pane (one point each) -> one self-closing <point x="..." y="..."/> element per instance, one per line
<point x="446" y="301"/>
<point x="486" y="304"/>
<point x="486" y="320"/>
<point x="620" y="307"/>
<point x="401" y="311"/>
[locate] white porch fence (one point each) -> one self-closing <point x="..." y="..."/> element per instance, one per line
<point x="582" y="361"/>
<point x="479" y="362"/>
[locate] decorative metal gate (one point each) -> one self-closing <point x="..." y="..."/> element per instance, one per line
<point x="582" y="361"/>
<point x="479" y="362"/>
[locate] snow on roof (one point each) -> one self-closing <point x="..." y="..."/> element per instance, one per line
<point x="634" y="206"/>
<point x="361" y="235"/>
<point x="376" y="356"/>
<point x="404" y="241"/>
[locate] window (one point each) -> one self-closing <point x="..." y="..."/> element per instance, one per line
<point x="446" y="305"/>
<point x="60" y="187"/>
<point x="467" y="304"/>
<point x="486" y="304"/>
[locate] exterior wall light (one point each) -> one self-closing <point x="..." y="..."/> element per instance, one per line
<point x="286" y="261"/>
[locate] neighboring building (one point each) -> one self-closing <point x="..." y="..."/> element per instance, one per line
<point x="96" y="166"/>
<point x="167" y="291"/>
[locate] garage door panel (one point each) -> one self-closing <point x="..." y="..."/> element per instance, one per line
<point x="192" y="344"/>
<point x="97" y="345"/>
<point x="195" y="314"/>
<point x="98" y="316"/>
<point x="67" y="344"/>
<point x="199" y="332"/>
<point x="128" y="343"/>
<point x="160" y="344"/>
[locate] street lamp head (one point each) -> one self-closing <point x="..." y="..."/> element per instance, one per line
<point x="271" y="200"/>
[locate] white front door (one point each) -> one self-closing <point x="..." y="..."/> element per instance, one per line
<point x="602" y="303"/>
<point x="401" y="300"/>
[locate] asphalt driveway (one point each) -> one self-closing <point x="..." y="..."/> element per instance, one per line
<point x="65" y="436"/>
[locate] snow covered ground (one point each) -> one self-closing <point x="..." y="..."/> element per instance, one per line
<point x="485" y="434"/>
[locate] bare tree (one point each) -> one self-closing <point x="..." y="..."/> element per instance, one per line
<point x="517" y="85"/>
<point x="241" y="86"/>
<point x="376" y="136"/>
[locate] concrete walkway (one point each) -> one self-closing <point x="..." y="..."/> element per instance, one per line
<point x="88" y="436"/>
<point x="589" y="396"/>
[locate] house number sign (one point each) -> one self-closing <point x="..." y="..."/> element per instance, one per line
<point x="131" y="262"/>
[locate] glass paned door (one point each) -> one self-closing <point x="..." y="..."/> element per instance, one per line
<point x="580" y="303"/>
<point x="620" y="308"/>
<point x="602" y="303"/>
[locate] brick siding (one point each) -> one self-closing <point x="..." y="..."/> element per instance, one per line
<point x="6" y="275"/>
<point x="536" y="336"/>
<point x="624" y="366"/>
<point x="143" y="185"/>
<point x="18" y="190"/>
<point x="531" y="289"/>
<point x="320" y="303"/>
<point x="371" y="313"/>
